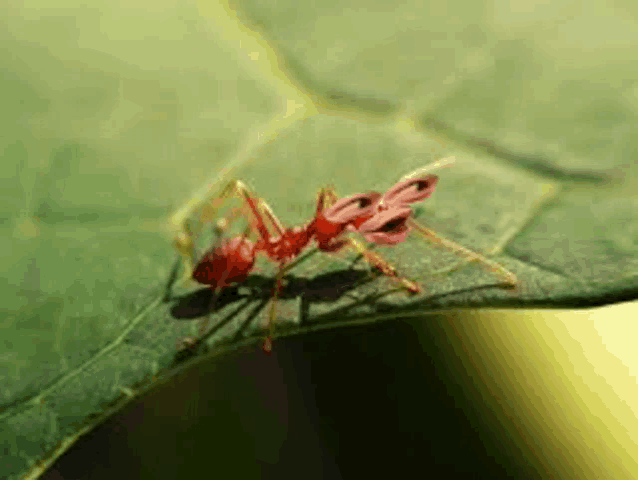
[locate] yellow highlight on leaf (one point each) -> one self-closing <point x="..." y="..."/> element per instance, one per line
<point x="27" y="228"/>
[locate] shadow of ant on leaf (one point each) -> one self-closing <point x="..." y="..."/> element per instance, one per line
<point x="197" y="304"/>
<point x="324" y="288"/>
<point x="327" y="287"/>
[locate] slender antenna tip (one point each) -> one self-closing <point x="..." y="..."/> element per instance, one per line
<point x="444" y="162"/>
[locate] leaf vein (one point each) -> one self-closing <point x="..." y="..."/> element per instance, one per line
<point x="35" y="401"/>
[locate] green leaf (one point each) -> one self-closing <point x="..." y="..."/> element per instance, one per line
<point x="106" y="133"/>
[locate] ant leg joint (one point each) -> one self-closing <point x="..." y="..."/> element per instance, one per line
<point x="220" y="227"/>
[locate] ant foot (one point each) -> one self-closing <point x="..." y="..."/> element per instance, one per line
<point x="267" y="348"/>
<point x="186" y="343"/>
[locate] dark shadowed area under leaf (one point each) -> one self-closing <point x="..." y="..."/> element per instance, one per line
<point x="367" y="402"/>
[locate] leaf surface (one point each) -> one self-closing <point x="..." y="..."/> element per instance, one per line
<point x="110" y="132"/>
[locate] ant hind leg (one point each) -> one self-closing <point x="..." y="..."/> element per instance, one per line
<point x="510" y="279"/>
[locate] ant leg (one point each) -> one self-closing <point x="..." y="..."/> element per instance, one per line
<point x="326" y="198"/>
<point x="261" y="211"/>
<point x="510" y="278"/>
<point x="384" y="266"/>
<point x="272" y="316"/>
<point x="266" y="211"/>
<point x="444" y="162"/>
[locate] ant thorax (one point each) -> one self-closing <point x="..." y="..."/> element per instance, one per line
<point x="289" y="245"/>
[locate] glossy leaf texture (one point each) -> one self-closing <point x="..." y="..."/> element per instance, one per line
<point x="111" y="123"/>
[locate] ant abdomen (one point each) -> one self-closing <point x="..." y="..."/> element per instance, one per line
<point x="226" y="264"/>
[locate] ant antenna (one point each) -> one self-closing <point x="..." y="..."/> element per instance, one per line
<point x="442" y="163"/>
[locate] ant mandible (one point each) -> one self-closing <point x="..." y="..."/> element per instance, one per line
<point x="383" y="219"/>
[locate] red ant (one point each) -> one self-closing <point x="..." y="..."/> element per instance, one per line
<point x="383" y="219"/>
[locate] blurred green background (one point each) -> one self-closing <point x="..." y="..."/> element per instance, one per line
<point x="114" y="115"/>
